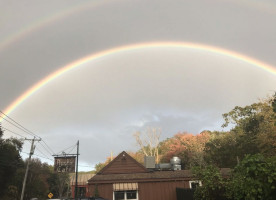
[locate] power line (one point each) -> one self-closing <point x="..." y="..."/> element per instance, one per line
<point x="41" y="151"/>
<point x="25" y="130"/>
<point x="38" y="156"/>
<point x="43" y="157"/>
<point x="5" y="129"/>
<point x="86" y="166"/>
<point x="47" y="146"/>
<point x="50" y="153"/>
<point x="67" y="148"/>
<point x="17" y="125"/>
<point x="72" y="149"/>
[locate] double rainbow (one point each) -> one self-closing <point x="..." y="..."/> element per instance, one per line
<point x="89" y="58"/>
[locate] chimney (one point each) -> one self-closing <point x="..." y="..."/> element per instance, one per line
<point x="149" y="162"/>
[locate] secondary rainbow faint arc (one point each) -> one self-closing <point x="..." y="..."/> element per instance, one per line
<point x="94" y="56"/>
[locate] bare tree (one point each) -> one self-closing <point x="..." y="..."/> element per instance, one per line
<point x="148" y="141"/>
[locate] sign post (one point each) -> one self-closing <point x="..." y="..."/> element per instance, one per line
<point x="76" y="185"/>
<point x="66" y="163"/>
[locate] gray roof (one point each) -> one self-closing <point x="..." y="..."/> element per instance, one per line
<point x="150" y="176"/>
<point x="82" y="178"/>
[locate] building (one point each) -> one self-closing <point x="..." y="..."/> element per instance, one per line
<point x="82" y="184"/>
<point x="124" y="178"/>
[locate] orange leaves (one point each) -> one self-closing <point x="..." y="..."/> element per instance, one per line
<point x="186" y="142"/>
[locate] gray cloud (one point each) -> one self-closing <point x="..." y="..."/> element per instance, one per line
<point x="103" y="102"/>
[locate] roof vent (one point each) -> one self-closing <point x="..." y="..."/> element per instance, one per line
<point x="176" y="163"/>
<point x="149" y="162"/>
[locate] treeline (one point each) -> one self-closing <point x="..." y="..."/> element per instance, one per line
<point x="41" y="177"/>
<point x="248" y="148"/>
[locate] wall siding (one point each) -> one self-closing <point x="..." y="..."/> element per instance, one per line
<point x="105" y="191"/>
<point x="122" y="166"/>
<point x="160" y="190"/>
<point x="147" y="190"/>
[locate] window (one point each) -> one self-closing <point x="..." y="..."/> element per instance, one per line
<point x="126" y="195"/>
<point x="195" y="184"/>
<point x="81" y="191"/>
<point x="125" y="191"/>
<point x="119" y="195"/>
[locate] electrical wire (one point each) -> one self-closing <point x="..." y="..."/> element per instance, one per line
<point x="17" y="125"/>
<point x="38" y="156"/>
<point x="36" y="148"/>
<point x="5" y="129"/>
<point x="67" y="148"/>
<point x="25" y="130"/>
<point x="85" y="166"/>
<point x="43" y="157"/>
<point x="72" y="149"/>
<point x="48" y="146"/>
<point x="45" y="148"/>
<point x="42" y="153"/>
<point x="22" y="128"/>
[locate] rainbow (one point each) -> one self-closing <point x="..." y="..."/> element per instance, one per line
<point x="267" y="7"/>
<point x="121" y="49"/>
<point x="47" y="21"/>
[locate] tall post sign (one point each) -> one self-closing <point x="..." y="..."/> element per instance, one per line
<point x="65" y="164"/>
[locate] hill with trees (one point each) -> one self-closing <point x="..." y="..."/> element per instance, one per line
<point x="248" y="148"/>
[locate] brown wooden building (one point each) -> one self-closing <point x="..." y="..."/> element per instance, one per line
<point x="125" y="178"/>
<point x="82" y="184"/>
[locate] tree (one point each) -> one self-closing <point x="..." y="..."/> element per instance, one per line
<point x="99" y="166"/>
<point x="138" y="156"/>
<point x="254" y="178"/>
<point x="213" y="184"/>
<point x="37" y="182"/>
<point x="254" y="128"/>
<point x="10" y="161"/>
<point x="148" y="142"/>
<point x="273" y="104"/>
<point x="188" y="147"/>
<point x="221" y="149"/>
<point x="59" y="183"/>
<point x="96" y="191"/>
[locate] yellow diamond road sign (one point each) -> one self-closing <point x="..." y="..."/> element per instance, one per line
<point x="50" y="195"/>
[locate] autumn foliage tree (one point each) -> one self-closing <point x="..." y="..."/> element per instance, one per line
<point x="188" y="147"/>
<point x="100" y="165"/>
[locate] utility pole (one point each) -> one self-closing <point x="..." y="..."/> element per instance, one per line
<point x="28" y="163"/>
<point x="76" y="184"/>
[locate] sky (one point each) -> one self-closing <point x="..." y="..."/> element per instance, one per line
<point x="175" y="65"/>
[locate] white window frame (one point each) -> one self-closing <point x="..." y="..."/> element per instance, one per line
<point x="195" y="181"/>
<point x="125" y="194"/>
